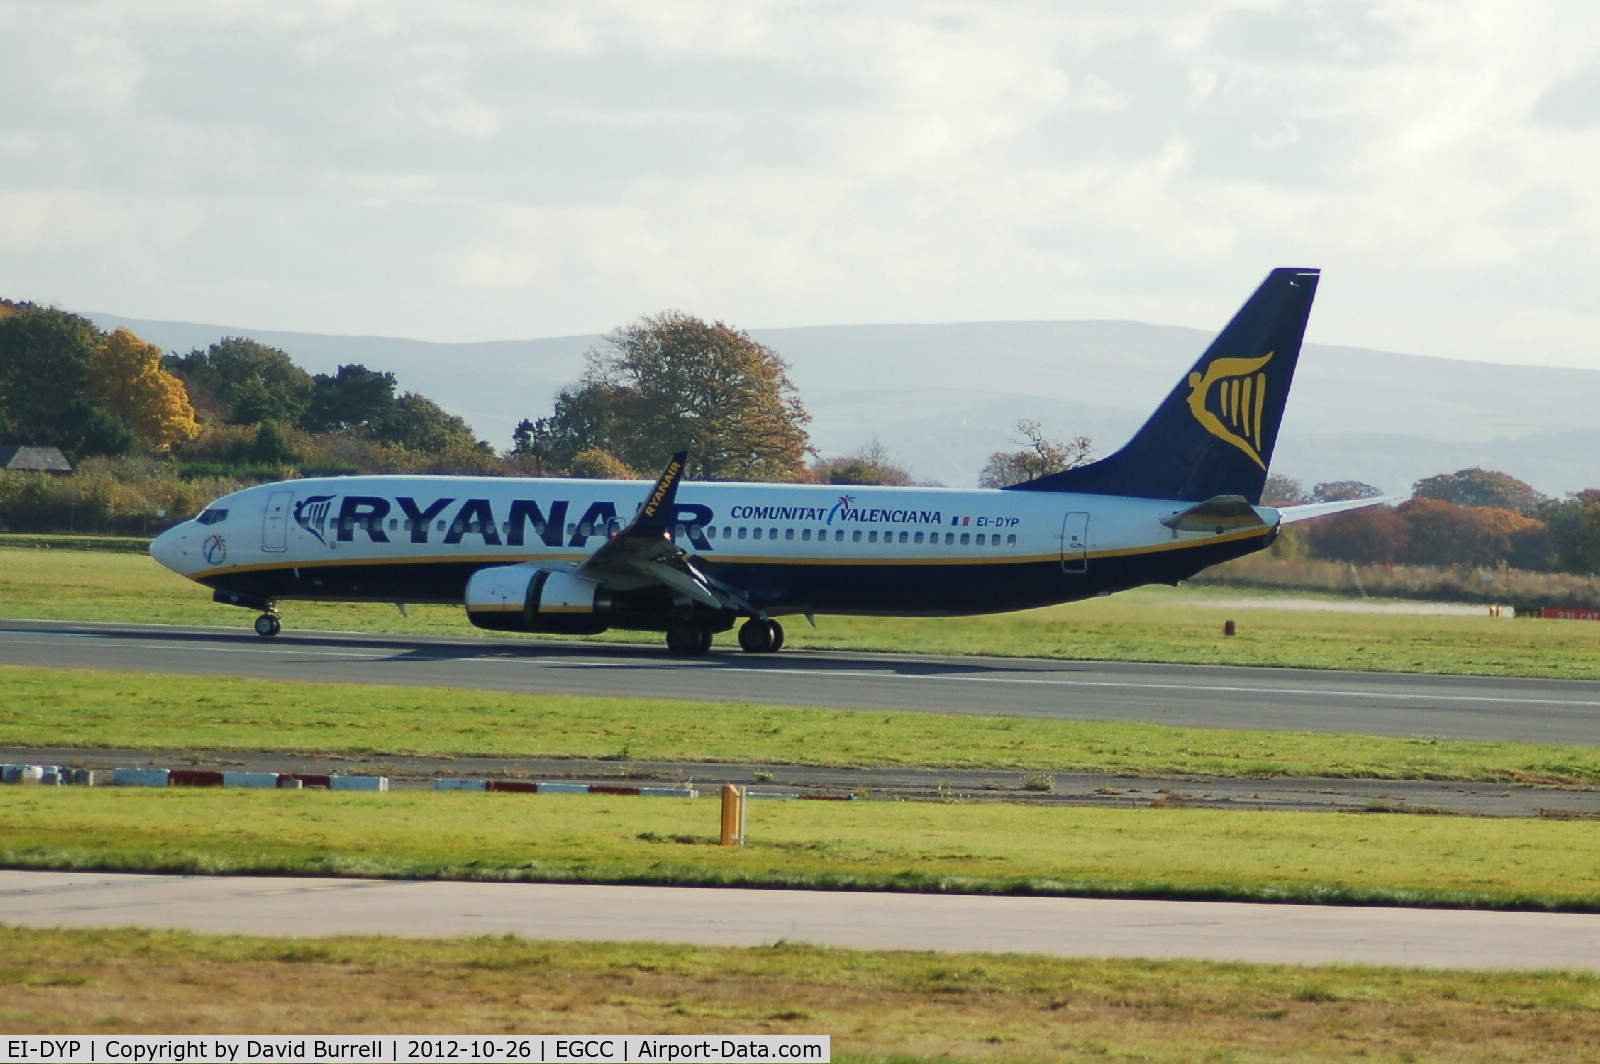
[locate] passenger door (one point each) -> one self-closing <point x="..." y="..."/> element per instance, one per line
<point x="275" y="525"/>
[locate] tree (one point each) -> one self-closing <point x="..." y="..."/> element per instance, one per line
<point x="672" y="382"/>
<point x="1343" y="491"/>
<point x="252" y="381"/>
<point x="1575" y="531"/>
<point x="1040" y="457"/>
<point x="44" y="358"/>
<point x="1444" y="533"/>
<point x="125" y="377"/>
<point x="1374" y="536"/>
<point x="596" y="464"/>
<point x="353" y="399"/>
<point x="1480" y="487"/>
<point x="417" y="423"/>
<point x="1283" y="491"/>
<point x="870" y="464"/>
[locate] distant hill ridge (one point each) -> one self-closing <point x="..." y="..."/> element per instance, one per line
<point x="942" y="397"/>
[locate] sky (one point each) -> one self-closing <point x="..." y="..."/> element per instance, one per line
<point x="480" y="169"/>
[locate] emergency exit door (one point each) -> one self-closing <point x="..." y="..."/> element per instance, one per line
<point x="1075" y="543"/>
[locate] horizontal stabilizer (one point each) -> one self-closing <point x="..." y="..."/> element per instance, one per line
<point x="1290" y="514"/>
<point x="1224" y="513"/>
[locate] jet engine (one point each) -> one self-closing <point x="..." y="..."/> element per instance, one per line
<point x="521" y="598"/>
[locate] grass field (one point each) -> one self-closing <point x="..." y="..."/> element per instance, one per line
<point x="876" y="1006"/>
<point x="1148" y="624"/>
<point x="86" y="708"/>
<point x="983" y="848"/>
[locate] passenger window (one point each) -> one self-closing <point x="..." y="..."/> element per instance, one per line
<point x="456" y="529"/>
<point x="772" y="533"/>
<point x="742" y="531"/>
<point x="756" y="534"/>
<point x="585" y="528"/>
<point x="678" y="532"/>
<point x="788" y="533"/>
<point x="906" y="536"/>
<point x="572" y="530"/>
<point x="727" y="532"/>
<point x="538" y="528"/>
<point x="441" y="527"/>
<point x="965" y="538"/>
<point x="872" y="537"/>
<point x="980" y="539"/>
<point x="918" y="538"/>
<point x="838" y="535"/>
<point x="1011" y="541"/>
<point x="805" y="535"/>
<point x="711" y="531"/>
<point x="393" y="524"/>
<point x="856" y="538"/>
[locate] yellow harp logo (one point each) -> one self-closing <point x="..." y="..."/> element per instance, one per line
<point x="1230" y="399"/>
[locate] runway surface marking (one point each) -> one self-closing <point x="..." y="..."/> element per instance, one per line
<point x="1066" y="927"/>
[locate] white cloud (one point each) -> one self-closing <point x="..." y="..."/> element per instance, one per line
<point x="498" y="169"/>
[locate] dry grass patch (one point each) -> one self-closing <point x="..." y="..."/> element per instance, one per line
<point x="877" y="1006"/>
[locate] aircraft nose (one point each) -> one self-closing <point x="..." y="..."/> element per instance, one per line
<point x="170" y="548"/>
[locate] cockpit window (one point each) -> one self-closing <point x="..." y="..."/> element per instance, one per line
<point x="211" y="517"/>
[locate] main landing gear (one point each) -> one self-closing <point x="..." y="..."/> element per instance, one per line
<point x="268" y="625"/>
<point x="757" y="636"/>
<point x="688" y="638"/>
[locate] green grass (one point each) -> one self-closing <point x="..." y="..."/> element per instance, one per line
<point x="877" y="1006"/>
<point x="1148" y="624"/>
<point x="985" y="848"/>
<point x="87" y="708"/>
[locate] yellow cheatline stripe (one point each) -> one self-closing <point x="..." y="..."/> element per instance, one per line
<point x="754" y="559"/>
<point x="508" y="607"/>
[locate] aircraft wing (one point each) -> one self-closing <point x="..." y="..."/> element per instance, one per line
<point x="645" y="553"/>
<point x="1290" y="514"/>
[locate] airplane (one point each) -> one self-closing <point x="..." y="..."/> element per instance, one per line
<point x="693" y="559"/>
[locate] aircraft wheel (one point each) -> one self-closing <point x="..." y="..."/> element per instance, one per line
<point x="688" y="638"/>
<point x="760" y="637"/>
<point x="268" y="626"/>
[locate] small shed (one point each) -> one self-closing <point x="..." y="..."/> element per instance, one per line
<point x="18" y="459"/>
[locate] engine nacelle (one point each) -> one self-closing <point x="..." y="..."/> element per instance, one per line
<point x="520" y="598"/>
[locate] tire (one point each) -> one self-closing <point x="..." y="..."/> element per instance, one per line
<point x="688" y="638"/>
<point x="760" y="637"/>
<point x="268" y="626"/>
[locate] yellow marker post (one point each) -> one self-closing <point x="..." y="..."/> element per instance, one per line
<point x="732" y="815"/>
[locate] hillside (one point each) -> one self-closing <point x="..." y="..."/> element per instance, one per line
<point x="942" y="397"/>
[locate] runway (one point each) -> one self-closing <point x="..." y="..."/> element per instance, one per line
<point x="1067" y="927"/>
<point x="1445" y="707"/>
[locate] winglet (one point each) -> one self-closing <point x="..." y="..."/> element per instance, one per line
<point x="660" y="504"/>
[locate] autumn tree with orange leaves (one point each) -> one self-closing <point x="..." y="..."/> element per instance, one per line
<point x="125" y="376"/>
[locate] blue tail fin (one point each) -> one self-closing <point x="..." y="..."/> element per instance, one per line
<point x="1214" y="434"/>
